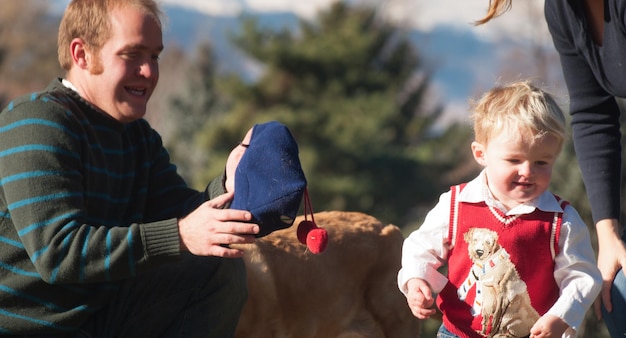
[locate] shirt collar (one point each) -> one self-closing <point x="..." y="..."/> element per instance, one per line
<point x="69" y="85"/>
<point x="477" y="191"/>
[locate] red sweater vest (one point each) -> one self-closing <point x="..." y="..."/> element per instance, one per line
<point x="530" y="243"/>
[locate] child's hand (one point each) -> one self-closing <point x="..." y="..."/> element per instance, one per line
<point x="548" y="326"/>
<point x="419" y="298"/>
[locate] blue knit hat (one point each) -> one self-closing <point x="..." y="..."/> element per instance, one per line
<point x="269" y="181"/>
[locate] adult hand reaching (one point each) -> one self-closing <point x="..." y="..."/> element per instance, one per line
<point x="611" y="257"/>
<point x="208" y="230"/>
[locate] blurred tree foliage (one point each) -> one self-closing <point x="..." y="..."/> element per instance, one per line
<point x="28" y="47"/>
<point x="349" y="86"/>
<point x="353" y="92"/>
<point x="567" y="180"/>
<point x="194" y="106"/>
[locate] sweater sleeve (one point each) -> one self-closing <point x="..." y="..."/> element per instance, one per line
<point x="595" y="117"/>
<point x="44" y="198"/>
<point x="216" y="186"/>
<point x="84" y="206"/>
<point x="169" y="199"/>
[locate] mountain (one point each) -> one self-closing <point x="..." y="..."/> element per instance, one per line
<point x="186" y="28"/>
<point x="459" y="60"/>
<point x="461" y="63"/>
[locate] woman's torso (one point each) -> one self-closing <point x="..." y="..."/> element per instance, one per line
<point x="607" y="55"/>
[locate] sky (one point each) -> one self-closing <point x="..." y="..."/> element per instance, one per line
<point x="421" y="14"/>
<point x="524" y="21"/>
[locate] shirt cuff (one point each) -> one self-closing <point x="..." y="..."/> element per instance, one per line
<point x="435" y="279"/>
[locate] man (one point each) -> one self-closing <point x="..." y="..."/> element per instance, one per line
<point x="99" y="236"/>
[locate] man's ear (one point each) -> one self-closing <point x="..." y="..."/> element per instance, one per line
<point x="80" y="56"/>
<point x="478" y="150"/>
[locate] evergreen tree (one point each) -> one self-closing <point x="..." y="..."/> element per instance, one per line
<point x="353" y="92"/>
<point x="192" y="109"/>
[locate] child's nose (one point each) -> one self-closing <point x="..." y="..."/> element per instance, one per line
<point x="525" y="169"/>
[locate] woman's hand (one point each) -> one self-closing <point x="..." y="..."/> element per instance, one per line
<point x="611" y="257"/>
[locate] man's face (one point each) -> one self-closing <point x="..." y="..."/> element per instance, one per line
<point x="123" y="75"/>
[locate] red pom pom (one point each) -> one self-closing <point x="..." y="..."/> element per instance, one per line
<point x="316" y="240"/>
<point x="303" y="230"/>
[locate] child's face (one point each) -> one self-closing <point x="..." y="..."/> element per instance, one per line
<point x="517" y="171"/>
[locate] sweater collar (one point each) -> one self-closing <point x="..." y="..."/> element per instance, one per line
<point x="90" y="110"/>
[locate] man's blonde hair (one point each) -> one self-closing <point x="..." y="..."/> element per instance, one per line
<point x="89" y="20"/>
<point x="519" y="109"/>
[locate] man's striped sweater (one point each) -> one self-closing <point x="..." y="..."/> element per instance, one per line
<point x="85" y="202"/>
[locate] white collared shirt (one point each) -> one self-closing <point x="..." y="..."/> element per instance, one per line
<point x="576" y="273"/>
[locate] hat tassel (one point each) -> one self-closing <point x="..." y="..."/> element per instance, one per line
<point x="314" y="237"/>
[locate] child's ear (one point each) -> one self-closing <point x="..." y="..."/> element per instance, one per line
<point x="478" y="150"/>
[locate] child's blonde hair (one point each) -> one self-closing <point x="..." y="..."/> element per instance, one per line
<point x="519" y="109"/>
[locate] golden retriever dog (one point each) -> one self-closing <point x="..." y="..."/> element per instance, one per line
<point x="504" y="294"/>
<point x="348" y="290"/>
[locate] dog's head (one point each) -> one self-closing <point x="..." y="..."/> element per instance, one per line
<point x="482" y="243"/>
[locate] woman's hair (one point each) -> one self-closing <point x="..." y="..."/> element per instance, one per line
<point x="89" y="20"/>
<point x="519" y="109"/>
<point x="496" y="8"/>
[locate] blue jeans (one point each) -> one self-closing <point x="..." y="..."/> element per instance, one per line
<point x="616" y="320"/>
<point x="444" y="333"/>
<point x="192" y="297"/>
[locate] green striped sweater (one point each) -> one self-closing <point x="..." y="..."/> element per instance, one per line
<point x="85" y="202"/>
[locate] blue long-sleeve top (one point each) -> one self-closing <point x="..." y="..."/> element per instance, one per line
<point x="85" y="203"/>
<point x="594" y="76"/>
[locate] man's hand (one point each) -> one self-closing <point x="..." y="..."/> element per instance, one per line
<point x="208" y="230"/>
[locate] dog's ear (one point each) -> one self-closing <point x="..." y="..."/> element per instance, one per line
<point x="496" y="244"/>
<point x="468" y="235"/>
<point x="493" y="236"/>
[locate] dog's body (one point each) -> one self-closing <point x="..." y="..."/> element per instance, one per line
<point x="505" y="298"/>
<point x="349" y="290"/>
